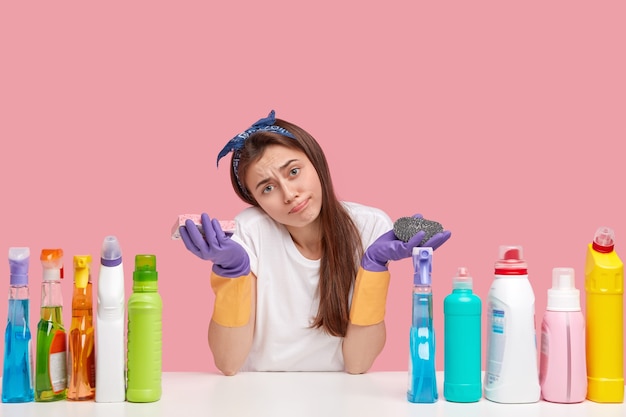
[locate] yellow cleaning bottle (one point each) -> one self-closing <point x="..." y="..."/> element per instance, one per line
<point x="604" y="287"/>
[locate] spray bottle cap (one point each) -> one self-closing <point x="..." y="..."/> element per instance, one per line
<point x="462" y="280"/>
<point x="52" y="263"/>
<point x="563" y="296"/>
<point x="422" y="266"/>
<point x="18" y="264"/>
<point x="81" y="270"/>
<point x="111" y="254"/>
<point x="145" y="268"/>
<point x="604" y="240"/>
<point x="511" y="261"/>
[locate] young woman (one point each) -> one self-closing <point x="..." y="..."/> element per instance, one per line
<point x="302" y="283"/>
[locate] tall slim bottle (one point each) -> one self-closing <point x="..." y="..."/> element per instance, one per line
<point x="512" y="374"/>
<point x="17" y="374"/>
<point x="51" y="365"/>
<point x="110" y="367"/>
<point x="604" y="287"/>
<point x="422" y="375"/>
<point x="462" y="342"/>
<point x="144" y="333"/>
<point x="82" y="360"/>
<point x="562" y="374"/>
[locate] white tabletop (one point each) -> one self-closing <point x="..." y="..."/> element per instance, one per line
<point x="319" y="394"/>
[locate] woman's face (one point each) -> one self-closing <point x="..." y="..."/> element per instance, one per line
<point x="285" y="184"/>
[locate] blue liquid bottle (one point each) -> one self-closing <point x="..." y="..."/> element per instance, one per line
<point x="17" y="374"/>
<point x="422" y="377"/>
<point x="462" y="342"/>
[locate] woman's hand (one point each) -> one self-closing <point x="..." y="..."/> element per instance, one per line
<point x="229" y="258"/>
<point x="389" y="248"/>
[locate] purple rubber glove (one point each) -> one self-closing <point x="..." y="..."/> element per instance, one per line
<point x="437" y="240"/>
<point x="389" y="248"/>
<point x="229" y="258"/>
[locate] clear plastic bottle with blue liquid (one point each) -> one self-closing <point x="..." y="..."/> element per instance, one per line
<point x="422" y="377"/>
<point x="17" y="375"/>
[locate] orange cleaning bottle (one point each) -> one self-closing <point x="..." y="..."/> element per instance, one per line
<point x="82" y="359"/>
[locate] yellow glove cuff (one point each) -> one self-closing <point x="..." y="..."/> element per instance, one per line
<point x="369" y="297"/>
<point x="232" y="300"/>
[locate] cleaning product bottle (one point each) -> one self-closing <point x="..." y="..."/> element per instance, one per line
<point x="144" y="333"/>
<point x="563" y="371"/>
<point x="51" y="365"/>
<point x="110" y="366"/>
<point x="422" y="377"/>
<point x="17" y="374"/>
<point x="82" y="364"/>
<point x="604" y="287"/>
<point x="512" y="374"/>
<point x="462" y="342"/>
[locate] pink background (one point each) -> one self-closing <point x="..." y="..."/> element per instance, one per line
<point x="504" y="122"/>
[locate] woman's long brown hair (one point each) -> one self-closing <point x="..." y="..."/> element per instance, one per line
<point x="341" y="243"/>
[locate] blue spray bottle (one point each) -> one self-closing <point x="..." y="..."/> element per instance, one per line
<point x="422" y="378"/>
<point x="17" y="376"/>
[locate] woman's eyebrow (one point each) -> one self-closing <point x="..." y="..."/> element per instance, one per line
<point x="281" y="168"/>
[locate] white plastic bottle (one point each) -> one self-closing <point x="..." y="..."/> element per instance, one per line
<point x="512" y="374"/>
<point x="110" y="363"/>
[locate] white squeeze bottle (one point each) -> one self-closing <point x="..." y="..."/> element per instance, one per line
<point x="512" y="374"/>
<point x="110" y="363"/>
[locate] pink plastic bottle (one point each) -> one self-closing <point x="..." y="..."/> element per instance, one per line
<point x="563" y="368"/>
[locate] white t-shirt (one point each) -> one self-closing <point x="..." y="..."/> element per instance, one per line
<point x="287" y="298"/>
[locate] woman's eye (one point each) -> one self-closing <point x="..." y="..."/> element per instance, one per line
<point x="294" y="171"/>
<point x="268" y="189"/>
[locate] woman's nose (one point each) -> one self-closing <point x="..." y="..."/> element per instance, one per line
<point x="290" y="193"/>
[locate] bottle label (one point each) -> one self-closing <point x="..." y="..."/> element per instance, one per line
<point x="57" y="362"/>
<point x="497" y="339"/>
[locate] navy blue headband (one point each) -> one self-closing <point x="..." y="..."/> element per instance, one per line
<point x="236" y="144"/>
<point x="263" y="125"/>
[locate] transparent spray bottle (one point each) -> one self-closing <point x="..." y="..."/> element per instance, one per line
<point x="562" y="371"/>
<point x="462" y="341"/>
<point x="144" y="356"/>
<point x="17" y="374"/>
<point x="604" y="288"/>
<point x="82" y="365"/>
<point x="51" y="366"/>
<point x="512" y="374"/>
<point x="422" y="376"/>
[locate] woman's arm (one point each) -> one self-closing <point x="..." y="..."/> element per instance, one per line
<point x="362" y="345"/>
<point x="230" y="345"/>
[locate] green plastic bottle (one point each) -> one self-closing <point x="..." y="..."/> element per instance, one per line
<point x="144" y="356"/>
<point x="462" y="342"/>
<point x="51" y="366"/>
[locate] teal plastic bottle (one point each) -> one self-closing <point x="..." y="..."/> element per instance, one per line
<point x="462" y="341"/>
<point x="144" y="356"/>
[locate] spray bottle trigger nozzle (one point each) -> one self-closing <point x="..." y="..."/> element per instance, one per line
<point x="422" y="264"/>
